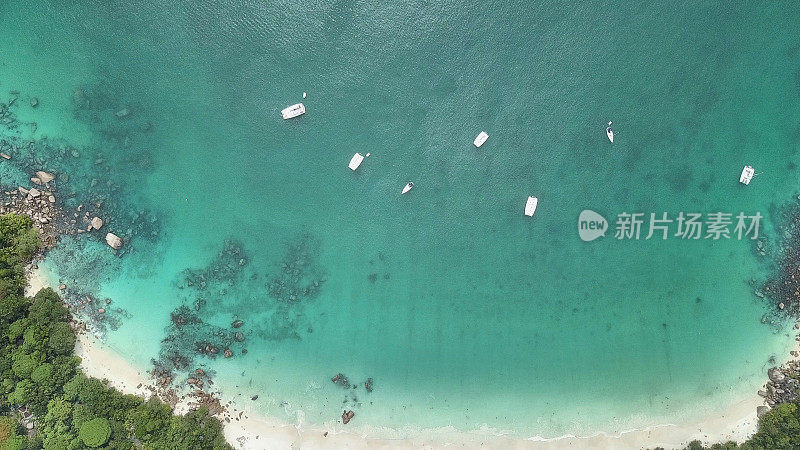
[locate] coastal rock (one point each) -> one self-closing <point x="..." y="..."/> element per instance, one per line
<point x="227" y="353"/>
<point x="346" y="416"/>
<point x="62" y="287"/>
<point x="44" y="176"/>
<point x="34" y="193"/>
<point x="97" y="223"/>
<point x="114" y="241"/>
<point x="36" y="181"/>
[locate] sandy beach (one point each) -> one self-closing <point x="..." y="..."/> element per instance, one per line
<point x="736" y="422"/>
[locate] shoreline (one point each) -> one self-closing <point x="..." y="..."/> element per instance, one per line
<point x="246" y="429"/>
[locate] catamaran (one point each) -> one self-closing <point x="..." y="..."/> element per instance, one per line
<point x="293" y="111"/>
<point x="747" y="175"/>
<point x="482" y="137"/>
<point x="530" y="206"/>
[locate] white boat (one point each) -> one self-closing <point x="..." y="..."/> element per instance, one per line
<point x="610" y="132"/>
<point x="530" y="206"/>
<point x="482" y="137"/>
<point x="293" y="111"/>
<point x="355" y="161"/>
<point x="407" y="187"/>
<point x="747" y="175"/>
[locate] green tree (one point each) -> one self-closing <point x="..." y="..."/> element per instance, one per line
<point x="95" y="432"/>
<point x="17" y="329"/>
<point x="23" y="393"/>
<point x="18" y="242"/>
<point x="62" y="339"/>
<point x="24" y="363"/>
<point x="149" y="421"/>
<point x="46" y="308"/>
<point x="779" y="428"/>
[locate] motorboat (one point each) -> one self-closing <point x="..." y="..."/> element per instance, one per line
<point x="295" y="110"/>
<point x="530" y="206"/>
<point x="355" y="161"/>
<point x="610" y="133"/>
<point x="407" y="187"/>
<point x="482" y="137"/>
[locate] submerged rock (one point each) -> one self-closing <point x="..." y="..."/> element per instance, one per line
<point x="114" y="241"/>
<point x="44" y="176"/>
<point x="34" y="102"/>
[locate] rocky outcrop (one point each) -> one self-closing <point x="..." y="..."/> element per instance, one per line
<point x="114" y="241"/>
<point x="36" y="205"/>
<point x="783" y="384"/>
<point x="97" y="223"/>
<point x="347" y="416"/>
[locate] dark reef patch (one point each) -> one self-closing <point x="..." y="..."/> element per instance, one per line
<point x="299" y="278"/>
<point x="229" y="286"/>
<point x="782" y="288"/>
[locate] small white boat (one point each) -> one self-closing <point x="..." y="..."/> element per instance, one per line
<point x="747" y="175"/>
<point x="482" y="137"/>
<point x="610" y="132"/>
<point x="293" y="111"/>
<point x="355" y="161"/>
<point x="407" y="187"/>
<point x="530" y="206"/>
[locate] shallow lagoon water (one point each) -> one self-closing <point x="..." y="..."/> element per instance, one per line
<point x="462" y="310"/>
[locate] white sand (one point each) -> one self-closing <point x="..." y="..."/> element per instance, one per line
<point x="734" y="422"/>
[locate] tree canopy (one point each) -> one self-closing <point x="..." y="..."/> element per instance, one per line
<point x="38" y="371"/>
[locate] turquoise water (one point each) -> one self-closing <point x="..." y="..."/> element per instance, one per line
<point x="463" y="311"/>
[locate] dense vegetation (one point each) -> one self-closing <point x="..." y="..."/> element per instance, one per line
<point x="778" y="429"/>
<point x="41" y="384"/>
